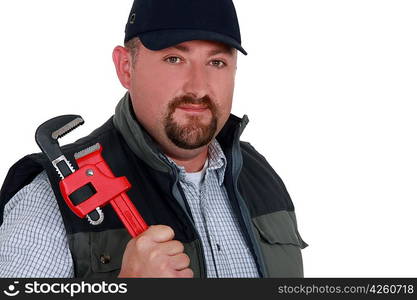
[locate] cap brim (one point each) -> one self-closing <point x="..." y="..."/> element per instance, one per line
<point x="161" y="39"/>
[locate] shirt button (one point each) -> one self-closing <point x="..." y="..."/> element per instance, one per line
<point x="218" y="247"/>
<point x="104" y="259"/>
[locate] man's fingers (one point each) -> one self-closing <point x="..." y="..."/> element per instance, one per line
<point x="186" y="273"/>
<point x="170" y="248"/>
<point x="154" y="253"/>
<point x="180" y="261"/>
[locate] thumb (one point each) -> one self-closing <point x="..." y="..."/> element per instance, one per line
<point x="160" y="233"/>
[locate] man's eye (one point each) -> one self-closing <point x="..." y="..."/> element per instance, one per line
<point x="218" y="63"/>
<point x="173" y="59"/>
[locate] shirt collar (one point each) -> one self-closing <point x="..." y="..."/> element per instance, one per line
<point x="216" y="162"/>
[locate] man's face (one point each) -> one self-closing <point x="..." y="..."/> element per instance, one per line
<point x="183" y="95"/>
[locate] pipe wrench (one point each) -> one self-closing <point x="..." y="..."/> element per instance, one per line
<point x="92" y="184"/>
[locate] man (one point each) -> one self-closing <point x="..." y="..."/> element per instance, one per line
<point x="215" y="206"/>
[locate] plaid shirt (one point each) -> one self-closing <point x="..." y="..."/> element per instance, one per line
<point x="33" y="240"/>
<point x="225" y="249"/>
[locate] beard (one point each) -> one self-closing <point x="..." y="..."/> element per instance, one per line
<point x="193" y="133"/>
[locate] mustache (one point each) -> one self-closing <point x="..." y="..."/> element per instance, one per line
<point x="187" y="99"/>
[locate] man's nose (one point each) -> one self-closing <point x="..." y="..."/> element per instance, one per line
<point x="197" y="82"/>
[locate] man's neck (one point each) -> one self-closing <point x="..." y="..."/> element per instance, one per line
<point x="192" y="164"/>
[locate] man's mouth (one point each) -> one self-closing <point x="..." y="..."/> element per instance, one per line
<point x="193" y="107"/>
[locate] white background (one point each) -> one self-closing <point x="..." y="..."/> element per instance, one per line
<point x="329" y="87"/>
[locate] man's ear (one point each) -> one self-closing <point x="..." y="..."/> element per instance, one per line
<point x="123" y="63"/>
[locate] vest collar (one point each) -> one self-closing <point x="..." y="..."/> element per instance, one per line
<point x="145" y="147"/>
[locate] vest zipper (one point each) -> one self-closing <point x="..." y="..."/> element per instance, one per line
<point x="236" y="168"/>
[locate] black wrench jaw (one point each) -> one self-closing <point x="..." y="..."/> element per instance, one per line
<point x="47" y="136"/>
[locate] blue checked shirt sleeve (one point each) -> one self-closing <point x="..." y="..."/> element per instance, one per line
<point x="33" y="241"/>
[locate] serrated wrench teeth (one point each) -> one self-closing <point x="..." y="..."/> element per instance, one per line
<point x="62" y="159"/>
<point x="67" y="128"/>
<point x="87" y="151"/>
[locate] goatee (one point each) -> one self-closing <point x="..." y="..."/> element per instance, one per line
<point x="193" y="134"/>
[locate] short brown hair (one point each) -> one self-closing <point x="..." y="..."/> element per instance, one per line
<point x="132" y="46"/>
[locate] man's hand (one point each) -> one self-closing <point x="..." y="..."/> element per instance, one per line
<point x="155" y="254"/>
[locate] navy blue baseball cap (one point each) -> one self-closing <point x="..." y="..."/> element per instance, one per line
<point x="164" y="23"/>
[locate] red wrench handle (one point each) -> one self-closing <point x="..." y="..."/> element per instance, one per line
<point x="129" y="215"/>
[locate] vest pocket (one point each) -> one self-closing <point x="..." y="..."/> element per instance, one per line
<point x="280" y="243"/>
<point x="107" y="248"/>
